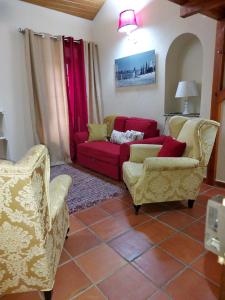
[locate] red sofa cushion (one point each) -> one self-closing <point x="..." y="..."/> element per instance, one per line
<point x="172" y="148"/>
<point x="103" y="151"/>
<point x="119" y="123"/>
<point x="147" y="126"/>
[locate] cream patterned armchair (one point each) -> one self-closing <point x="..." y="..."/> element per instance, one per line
<point x="33" y="223"/>
<point x="159" y="179"/>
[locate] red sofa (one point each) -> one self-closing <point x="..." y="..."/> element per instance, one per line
<point x="107" y="158"/>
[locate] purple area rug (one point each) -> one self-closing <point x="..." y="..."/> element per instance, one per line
<point x="87" y="189"/>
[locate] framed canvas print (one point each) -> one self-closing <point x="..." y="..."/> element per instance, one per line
<point x="138" y="69"/>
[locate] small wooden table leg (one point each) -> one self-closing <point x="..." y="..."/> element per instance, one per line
<point x="222" y="287"/>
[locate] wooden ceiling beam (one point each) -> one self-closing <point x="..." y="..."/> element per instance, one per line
<point x="212" y="8"/>
<point x="205" y="7"/>
<point x="180" y="2"/>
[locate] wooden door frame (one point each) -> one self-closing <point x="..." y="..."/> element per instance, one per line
<point x="218" y="96"/>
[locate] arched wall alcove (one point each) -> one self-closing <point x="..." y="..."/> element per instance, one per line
<point x="183" y="62"/>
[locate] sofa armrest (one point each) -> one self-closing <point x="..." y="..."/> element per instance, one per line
<point x="170" y="163"/>
<point x="80" y="137"/>
<point x="139" y="152"/>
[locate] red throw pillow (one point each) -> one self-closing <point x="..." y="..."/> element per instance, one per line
<point x="172" y="148"/>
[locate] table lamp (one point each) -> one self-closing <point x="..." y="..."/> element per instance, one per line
<point x="186" y="89"/>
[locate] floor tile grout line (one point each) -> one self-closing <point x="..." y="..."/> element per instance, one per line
<point x="177" y="259"/>
<point x="112" y="213"/>
<point x="127" y="263"/>
<point x="177" y="230"/>
<point x="160" y="290"/>
<point x="108" y="240"/>
<point x="204" y="276"/>
<point x="64" y="263"/>
<point x="78" y="230"/>
<point x="67" y="252"/>
<point x="131" y="228"/>
<point x="178" y="211"/>
<point x="130" y="261"/>
<point x="89" y="208"/>
<point x="190" y="265"/>
<point x="99" y="221"/>
<point x="188" y="236"/>
<point x="82" y="292"/>
<point x="154" y="245"/>
<point x="165" y="283"/>
<point x="102" y="279"/>
<point x="164" y="287"/>
<point x="86" y="251"/>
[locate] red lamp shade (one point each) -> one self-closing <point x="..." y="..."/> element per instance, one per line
<point x="127" y="21"/>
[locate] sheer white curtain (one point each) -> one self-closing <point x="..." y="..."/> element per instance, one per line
<point x="48" y="99"/>
<point x="93" y="85"/>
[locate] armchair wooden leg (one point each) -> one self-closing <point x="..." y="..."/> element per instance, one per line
<point x="191" y="203"/>
<point x="137" y="208"/>
<point x="68" y="230"/>
<point x="48" y="295"/>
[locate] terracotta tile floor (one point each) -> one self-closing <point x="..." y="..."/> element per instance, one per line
<point x="158" y="255"/>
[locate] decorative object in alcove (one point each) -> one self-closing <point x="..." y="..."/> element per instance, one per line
<point x="186" y="89"/>
<point x="138" y="69"/>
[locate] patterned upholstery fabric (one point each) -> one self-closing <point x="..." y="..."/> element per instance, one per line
<point x="33" y="222"/>
<point x="176" y="124"/>
<point x="141" y="151"/>
<point x="160" y="179"/>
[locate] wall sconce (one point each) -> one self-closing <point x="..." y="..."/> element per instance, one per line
<point x="127" y="21"/>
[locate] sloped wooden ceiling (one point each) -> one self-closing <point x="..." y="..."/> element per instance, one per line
<point x="211" y="8"/>
<point x="87" y="9"/>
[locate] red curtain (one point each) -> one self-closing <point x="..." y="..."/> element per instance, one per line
<point x="76" y="88"/>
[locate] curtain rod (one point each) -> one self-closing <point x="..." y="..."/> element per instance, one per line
<point x="43" y="35"/>
<point x="39" y="34"/>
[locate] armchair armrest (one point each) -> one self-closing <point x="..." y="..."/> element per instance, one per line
<point x="125" y="148"/>
<point x="170" y="163"/>
<point x="58" y="191"/>
<point x="139" y="152"/>
<point x="80" y="137"/>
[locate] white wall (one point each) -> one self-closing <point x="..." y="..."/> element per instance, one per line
<point x="13" y="89"/>
<point x="161" y="24"/>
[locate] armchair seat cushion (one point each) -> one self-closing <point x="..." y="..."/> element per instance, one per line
<point x="103" y="151"/>
<point x="132" y="172"/>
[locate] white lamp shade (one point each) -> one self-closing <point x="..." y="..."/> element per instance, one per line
<point x="187" y="89"/>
